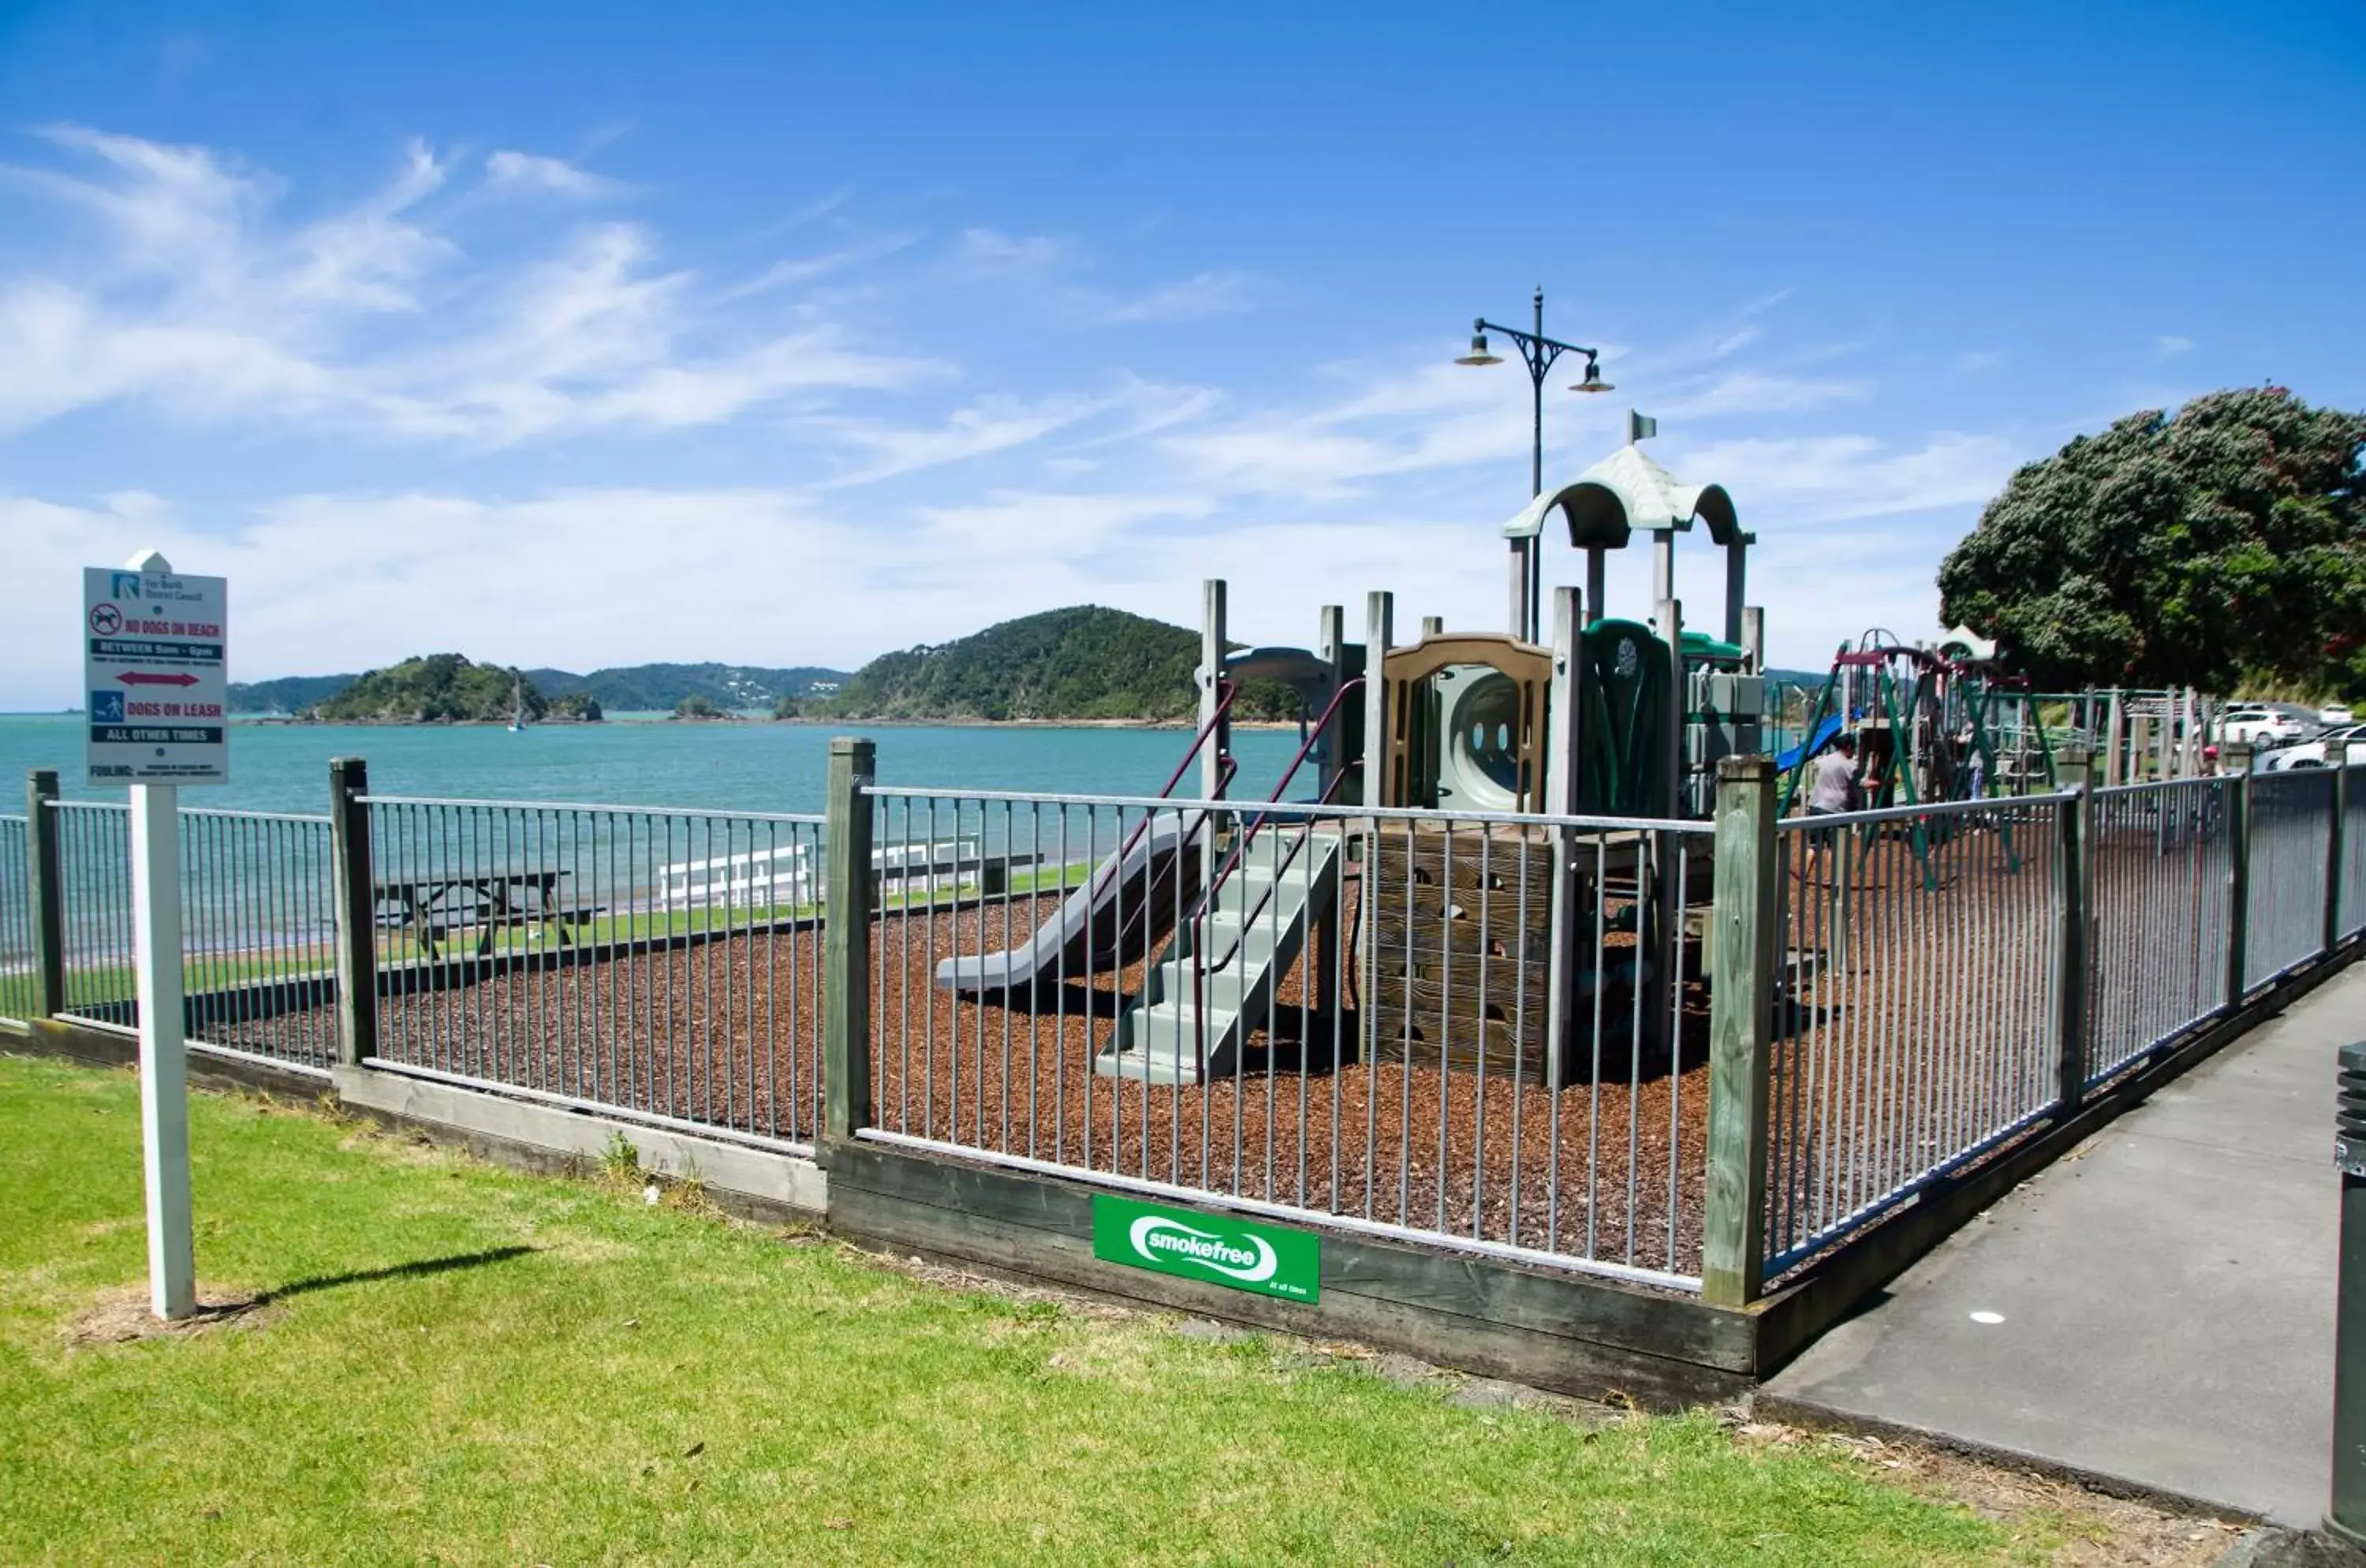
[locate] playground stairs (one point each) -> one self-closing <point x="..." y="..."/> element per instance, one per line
<point x="1216" y="980"/>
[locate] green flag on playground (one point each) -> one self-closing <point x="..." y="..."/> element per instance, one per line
<point x="1639" y="425"/>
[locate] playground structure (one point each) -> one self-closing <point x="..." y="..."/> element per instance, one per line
<point x="1608" y="718"/>
<point x="1514" y="898"/>
<point x="1930" y="725"/>
<point x="2138" y="736"/>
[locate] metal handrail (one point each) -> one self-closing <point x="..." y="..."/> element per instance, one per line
<point x="1199" y="971"/>
<point x="1226" y="768"/>
<point x="806" y="819"/>
<point x="1256" y="824"/>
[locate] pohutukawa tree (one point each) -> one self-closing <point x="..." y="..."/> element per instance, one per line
<point x="2225" y="543"/>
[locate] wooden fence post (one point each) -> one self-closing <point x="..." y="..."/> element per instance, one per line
<point x="2073" y="880"/>
<point x="846" y="951"/>
<point x="355" y="897"/>
<point x="1741" y="1033"/>
<point x="2237" y="758"/>
<point x="45" y="893"/>
<point x="2335" y="847"/>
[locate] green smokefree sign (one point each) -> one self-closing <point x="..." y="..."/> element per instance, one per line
<point x="1221" y="1250"/>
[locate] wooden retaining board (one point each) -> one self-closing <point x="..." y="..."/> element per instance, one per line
<point x="1590" y="1338"/>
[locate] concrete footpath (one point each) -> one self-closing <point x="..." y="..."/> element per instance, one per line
<point x="2156" y="1308"/>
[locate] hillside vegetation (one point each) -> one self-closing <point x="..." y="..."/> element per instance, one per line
<point x="289" y="693"/>
<point x="442" y="688"/>
<point x="1084" y="662"/>
<point x="662" y="688"/>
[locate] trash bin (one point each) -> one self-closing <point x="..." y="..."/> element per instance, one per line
<point x="2347" y="1517"/>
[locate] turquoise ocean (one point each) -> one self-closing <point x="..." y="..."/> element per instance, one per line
<point x="754" y="766"/>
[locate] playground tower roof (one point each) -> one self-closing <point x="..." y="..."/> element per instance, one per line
<point x="1627" y="491"/>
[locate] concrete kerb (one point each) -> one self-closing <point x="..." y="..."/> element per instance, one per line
<point x="753" y="1182"/>
<point x="1813" y="1417"/>
<point x="99" y="1045"/>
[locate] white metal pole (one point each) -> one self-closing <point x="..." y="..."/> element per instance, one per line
<point x="1212" y="649"/>
<point x="164" y="1066"/>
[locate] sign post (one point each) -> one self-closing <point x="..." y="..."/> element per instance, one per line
<point x="154" y="665"/>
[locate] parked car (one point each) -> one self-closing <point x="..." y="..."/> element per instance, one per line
<point x="2335" y="713"/>
<point x="2256" y="724"/>
<point x="2346" y="741"/>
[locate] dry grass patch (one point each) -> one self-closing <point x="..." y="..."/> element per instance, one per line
<point x="122" y="1316"/>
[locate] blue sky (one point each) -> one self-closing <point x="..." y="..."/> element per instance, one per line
<point x="792" y="335"/>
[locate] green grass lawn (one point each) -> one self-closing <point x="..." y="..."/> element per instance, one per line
<point x="462" y="1364"/>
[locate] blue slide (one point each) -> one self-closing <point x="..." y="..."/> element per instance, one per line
<point x="1809" y="747"/>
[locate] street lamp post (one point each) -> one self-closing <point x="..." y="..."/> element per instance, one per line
<point x="1538" y="352"/>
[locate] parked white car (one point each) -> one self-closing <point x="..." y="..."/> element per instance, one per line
<point x="2346" y="741"/>
<point x="2335" y="713"/>
<point x="2256" y="725"/>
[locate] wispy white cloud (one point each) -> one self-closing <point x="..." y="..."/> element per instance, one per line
<point x="1821" y="478"/>
<point x="2168" y="346"/>
<point x="795" y="270"/>
<point x="214" y="297"/>
<point x="208" y="309"/>
<point x="1751" y="391"/>
<point x="1134" y="409"/>
<point x="530" y="171"/>
<point x="443" y="571"/>
<point x="1224" y="292"/>
<point x="991" y="424"/>
<point x="1432" y="418"/>
<point x="1978" y="359"/>
<point x="991" y="249"/>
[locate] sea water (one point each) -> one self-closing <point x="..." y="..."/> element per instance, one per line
<point x="751" y="766"/>
<point x="699" y="767"/>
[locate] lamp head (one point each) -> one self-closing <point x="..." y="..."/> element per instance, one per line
<point x="1594" y="382"/>
<point x="1479" y="354"/>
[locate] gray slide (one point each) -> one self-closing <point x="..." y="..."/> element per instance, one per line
<point x="1130" y="904"/>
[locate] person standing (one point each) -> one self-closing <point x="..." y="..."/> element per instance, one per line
<point x="1833" y="784"/>
<point x="1833" y="787"/>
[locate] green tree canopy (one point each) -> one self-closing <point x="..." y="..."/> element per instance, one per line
<point x="2226" y="542"/>
<point x="436" y="689"/>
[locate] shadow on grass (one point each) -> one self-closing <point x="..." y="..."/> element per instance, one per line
<point x="419" y="1270"/>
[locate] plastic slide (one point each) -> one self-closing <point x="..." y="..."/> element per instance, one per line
<point x="1813" y="744"/>
<point x="1130" y="903"/>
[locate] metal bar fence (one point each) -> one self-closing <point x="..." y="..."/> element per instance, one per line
<point x="258" y="935"/>
<point x="660" y="962"/>
<point x="19" y="986"/>
<point x="2353" y="851"/>
<point x="94" y="886"/>
<point x="2162" y="915"/>
<point x="2291" y="818"/>
<point x="1914" y="1006"/>
<point x="1337" y="1016"/>
<point x="256" y="928"/>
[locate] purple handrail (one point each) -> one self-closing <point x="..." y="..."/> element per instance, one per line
<point x="1257" y="823"/>
<point x="1226" y="768"/>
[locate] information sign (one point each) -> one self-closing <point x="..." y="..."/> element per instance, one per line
<point x="157" y="681"/>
